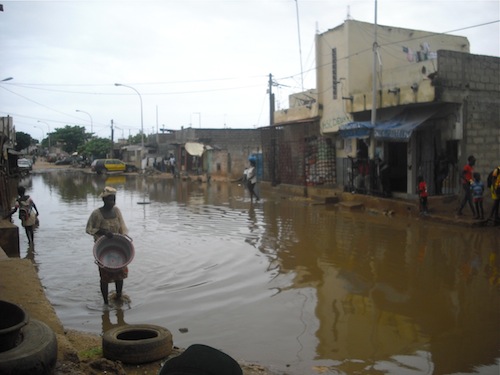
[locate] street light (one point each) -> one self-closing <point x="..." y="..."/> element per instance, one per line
<point x="142" y="122"/>
<point x="43" y="133"/>
<point x="48" y="133"/>
<point x="6" y="79"/>
<point x="91" y="122"/>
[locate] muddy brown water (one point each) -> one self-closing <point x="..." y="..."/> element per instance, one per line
<point x="298" y="287"/>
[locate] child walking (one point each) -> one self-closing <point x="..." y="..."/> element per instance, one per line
<point x="477" y="188"/>
<point x="422" y="193"/>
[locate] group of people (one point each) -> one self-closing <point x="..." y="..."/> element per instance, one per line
<point x="166" y="164"/>
<point x="473" y="189"/>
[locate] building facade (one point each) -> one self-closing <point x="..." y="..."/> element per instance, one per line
<point x="398" y="103"/>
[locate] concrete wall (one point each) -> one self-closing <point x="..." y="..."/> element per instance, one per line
<point x="473" y="81"/>
<point x="9" y="238"/>
<point x="237" y="145"/>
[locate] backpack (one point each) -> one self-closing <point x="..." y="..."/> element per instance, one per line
<point x="24" y="209"/>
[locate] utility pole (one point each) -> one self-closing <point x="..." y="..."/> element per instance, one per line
<point x="271" y="100"/>
<point x="112" y="140"/>
<point x="374" y="73"/>
<point x="300" y="45"/>
<point x="371" y="150"/>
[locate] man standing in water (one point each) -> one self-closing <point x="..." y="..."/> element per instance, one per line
<point x="107" y="221"/>
<point x="252" y="180"/>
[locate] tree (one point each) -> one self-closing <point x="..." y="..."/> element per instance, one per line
<point x="97" y="148"/>
<point x="23" y="140"/>
<point x="135" y="139"/>
<point x="70" y="137"/>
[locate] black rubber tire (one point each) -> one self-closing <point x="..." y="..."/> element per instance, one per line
<point x="137" y="343"/>
<point x="35" y="355"/>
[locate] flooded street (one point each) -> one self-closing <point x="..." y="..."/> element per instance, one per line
<point x="298" y="287"/>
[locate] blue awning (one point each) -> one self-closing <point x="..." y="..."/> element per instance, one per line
<point x="357" y="129"/>
<point x="401" y="127"/>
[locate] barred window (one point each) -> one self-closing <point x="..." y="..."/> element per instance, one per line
<point x="334" y="72"/>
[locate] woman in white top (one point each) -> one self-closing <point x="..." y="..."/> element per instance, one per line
<point x="106" y="221"/>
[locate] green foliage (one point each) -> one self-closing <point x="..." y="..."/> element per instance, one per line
<point x="23" y="140"/>
<point x="96" y="148"/>
<point x="92" y="353"/>
<point x="135" y="139"/>
<point x="69" y="137"/>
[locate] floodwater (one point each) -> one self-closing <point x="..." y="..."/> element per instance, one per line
<point x="299" y="287"/>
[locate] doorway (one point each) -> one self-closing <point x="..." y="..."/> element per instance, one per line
<point x="398" y="159"/>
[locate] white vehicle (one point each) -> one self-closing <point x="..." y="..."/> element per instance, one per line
<point x="24" y="165"/>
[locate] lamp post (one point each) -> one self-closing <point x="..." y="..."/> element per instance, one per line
<point x="48" y="133"/>
<point x="43" y="133"/>
<point x="6" y="79"/>
<point x="142" y="122"/>
<point x="91" y="122"/>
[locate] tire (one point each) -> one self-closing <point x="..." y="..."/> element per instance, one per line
<point x="35" y="355"/>
<point x="137" y="343"/>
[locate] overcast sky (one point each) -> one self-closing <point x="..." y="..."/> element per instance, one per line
<point x="204" y="63"/>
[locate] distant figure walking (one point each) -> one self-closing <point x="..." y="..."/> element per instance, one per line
<point x="477" y="188"/>
<point x="252" y="180"/>
<point x="171" y="160"/>
<point x="467" y="180"/>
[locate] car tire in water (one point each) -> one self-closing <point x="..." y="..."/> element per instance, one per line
<point x="137" y="343"/>
<point x="36" y="354"/>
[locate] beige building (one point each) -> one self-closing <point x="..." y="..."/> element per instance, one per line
<point x="405" y="62"/>
<point x="433" y="104"/>
<point x="379" y="124"/>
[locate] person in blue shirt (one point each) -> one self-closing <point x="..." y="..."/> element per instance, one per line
<point x="477" y="188"/>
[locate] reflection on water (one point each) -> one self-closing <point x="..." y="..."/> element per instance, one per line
<point x="303" y="288"/>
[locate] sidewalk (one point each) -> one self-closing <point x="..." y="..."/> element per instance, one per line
<point x="442" y="208"/>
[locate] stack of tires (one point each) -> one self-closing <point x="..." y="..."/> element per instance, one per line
<point x="27" y="346"/>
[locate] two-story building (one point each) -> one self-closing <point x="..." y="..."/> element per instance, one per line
<point x="395" y="103"/>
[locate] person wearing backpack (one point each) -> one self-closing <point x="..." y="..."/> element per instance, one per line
<point x="494" y="185"/>
<point x="26" y="207"/>
<point x="251" y="177"/>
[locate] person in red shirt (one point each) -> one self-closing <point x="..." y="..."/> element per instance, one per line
<point x="422" y="193"/>
<point x="467" y="180"/>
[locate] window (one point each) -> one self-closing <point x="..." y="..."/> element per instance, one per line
<point x="334" y="73"/>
